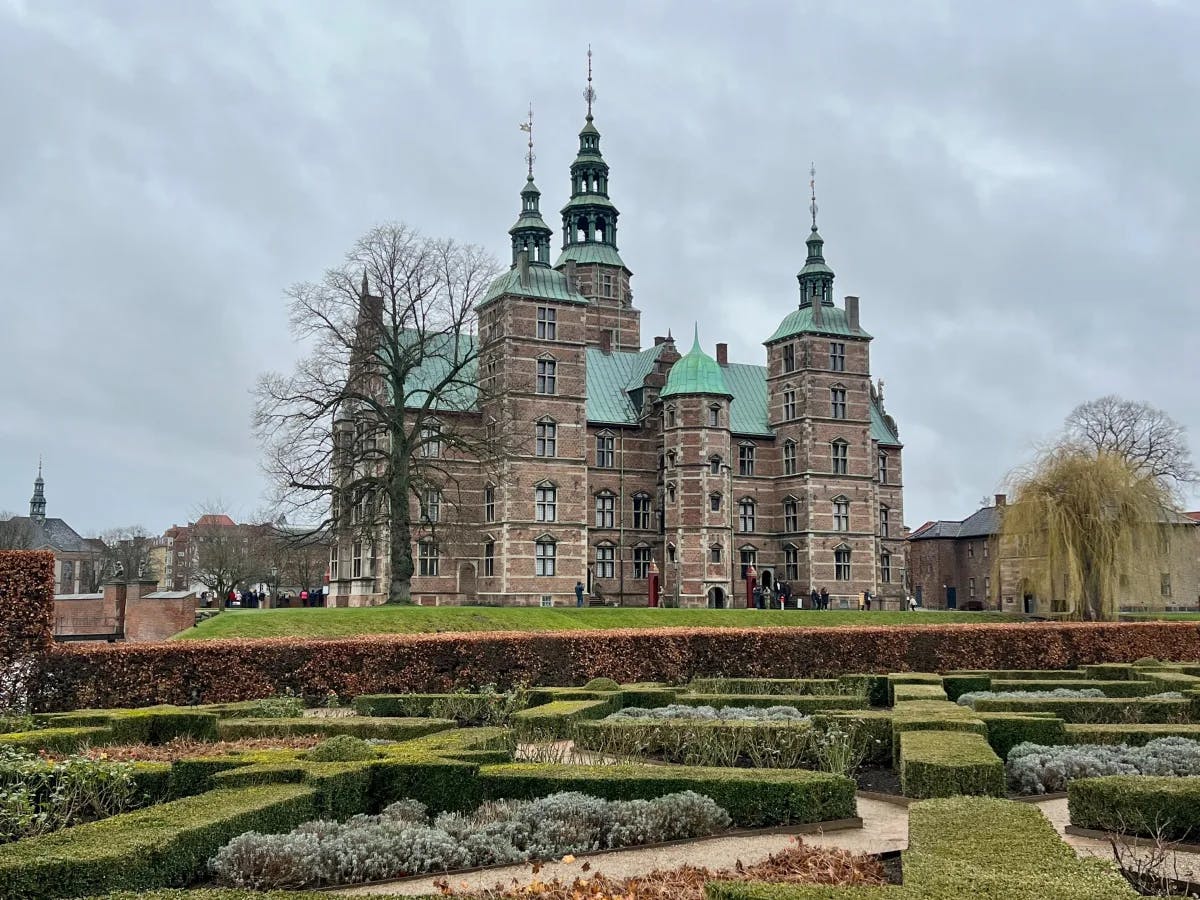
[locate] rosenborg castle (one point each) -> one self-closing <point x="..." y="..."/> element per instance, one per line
<point x="632" y="457"/>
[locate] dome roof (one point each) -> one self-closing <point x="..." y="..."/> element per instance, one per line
<point x="696" y="373"/>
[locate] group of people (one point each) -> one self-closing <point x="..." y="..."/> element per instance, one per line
<point x="255" y="599"/>
<point x="772" y="596"/>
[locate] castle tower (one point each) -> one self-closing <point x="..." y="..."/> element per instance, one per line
<point x="37" y="503"/>
<point x="589" y="256"/>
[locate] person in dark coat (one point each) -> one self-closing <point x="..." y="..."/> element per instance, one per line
<point x="579" y="593"/>
<point x="814" y="599"/>
<point x="824" y="598"/>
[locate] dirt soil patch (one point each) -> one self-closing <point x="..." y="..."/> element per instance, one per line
<point x="878" y="780"/>
<point x="185" y="748"/>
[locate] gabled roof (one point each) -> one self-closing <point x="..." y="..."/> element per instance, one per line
<point x="209" y="520"/>
<point x="53" y="534"/>
<point x="983" y="523"/>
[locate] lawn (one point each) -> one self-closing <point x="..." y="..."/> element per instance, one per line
<point x="326" y="623"/>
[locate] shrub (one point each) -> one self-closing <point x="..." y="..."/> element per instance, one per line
<point x="26" y="622"/>
<point x="160" y="724"/>
<point x="1107" y="687"/>
<point x="1006" y="730"/>
<point x="768" y="686"/>
<point x="1124" y="734"/>
<point x="556" y="719"/>
<point x="55" y="740"/>
<point x="401" y="841"/>
<point x="1163" y="807"/>
<point x="970" y="698"/>
<point x="601" y="684"/>
<point x="1097" y="709"/>
<point x="945" y="763"/>
<point x="1036" y="769"/>
<point x="691" y="742"/>
<point x="341" y="748"/>
<point x="281" y="706"/>
<point x="359" y="726"/>
<point x="904" y="692"/>
<point x="76" y="676"/>
<point x="161" y="845"/>
<point x="709" y="714"/>
<point x="806" y="703"/>
<point x="959" y="684"/>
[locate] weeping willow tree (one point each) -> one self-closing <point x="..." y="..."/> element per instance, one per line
<point x="1083" y="525"/>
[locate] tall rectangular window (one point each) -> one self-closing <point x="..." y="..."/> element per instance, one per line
<point x="789" y="358"/>
<point x="544" y="558"/>
<point x="604" y="450"/>
<point x="428" y="562"/>
<point x="791" y="563"/>
<point x="334" y="572"/>
<point x="714" y="553"/>
<point x="547" y="370"/>
<point x="841" y="515"/>
<point x="884" y="523"/>
<point x="748" y="558"/>
<point x="606" y="286"/>
<point x="714" y="416"/>
<point x="641" y="562"/>
<point x="841" y="564"/>
<point x="431" y="505"/>
<point x="837" y="356"/>
<point x="372" y="559"/>
<point x="971" y="588"/>
<point x="489" y="559"/>
<point x="547" y="323"/>
<point x="987" y="587"/>
<point x="546" y="504"/>
<point x="839" y="457"/>
<point x="547" y="439"/>
<point x="746" y="516"/>
<point x="837" y="403"/>
<point x="789" y="405"/>
<point x="746" y="459"/>
<point x="970" y="549"/>
<point x="606" y="505"/>
<point x="885" y="567"/>
<point x="641" y="511"/>
<point x="356" y="560"/>
<point x="489" y="503"/>
<point x="789" y="457"/>
<point x="431" y="441"/>
<point x="791" y="515"/>
<point x="606" y="562"/>
<point x="883" y="468"/>
<point x="1164" y="584"/>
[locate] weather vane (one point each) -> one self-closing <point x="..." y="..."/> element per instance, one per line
<point x="812" y="187"/>
<point x="527" y="127"/>
<point x="589" y="93"/>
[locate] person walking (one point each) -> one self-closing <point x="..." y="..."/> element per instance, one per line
<point x="814" y="599"/>
<point x="824" y="598"/>
<point x="867" y="600"/>
<point x="578" y="593"/>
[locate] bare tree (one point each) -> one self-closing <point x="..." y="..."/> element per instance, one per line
<point x="16" y="533"/>
<point x="227" y="556"/>
<point x="126" y="554"/>
<point x="1146" y="437"/>
<point x="373" y="419"/>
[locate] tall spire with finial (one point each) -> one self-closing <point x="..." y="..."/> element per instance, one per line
<point x="589" y="218"/>
<point x="530" y="233"/>
<point x="37" y="504"/>
<point x="816" y="278"/>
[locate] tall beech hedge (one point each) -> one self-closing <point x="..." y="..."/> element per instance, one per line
<point x="79" y="676"/>
<point x="26" y="618"/>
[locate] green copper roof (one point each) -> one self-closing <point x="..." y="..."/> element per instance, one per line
<point x="440" y="355"/>
<point x="880" y="430"/>
<point x="544" y="284"/>
<point x="800" y="321"/>
<point x="585" y="200"/>
<point x="591" y="252"/>
<point x="696" y="373"/>
<point x="611" y="377"/>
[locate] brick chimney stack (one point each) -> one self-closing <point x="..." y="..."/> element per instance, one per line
<point x="523" y="266"/>
<point x="722" y="354"/>
<point x="852" y="312"/>
<point x="1001" y="500"/>
<point x="606" y="340"/>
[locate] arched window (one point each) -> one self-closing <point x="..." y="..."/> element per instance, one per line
<point x="746" y="515"/>
<point x="791" y="562"/>
<point x="749" y="557"/>
<point x="545" y="502"/>
<point x="547" y="375"/>
<point x="714" y="553"/>
<point x="489" y="558"/>
<point x="789" y="404"/>
<point x="714" y="416"/>
<point x="789" y="457"/>
<point x="605" y="443"/>
<point x="837" y="402"/>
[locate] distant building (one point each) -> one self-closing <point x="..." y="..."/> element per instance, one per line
<point x="964" y="564"/>
<point x="77" y="560"/>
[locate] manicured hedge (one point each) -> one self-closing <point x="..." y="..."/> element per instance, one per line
<point x="925" y="678"/>
<point x="752" y="797"/>
<point x="959" y="684"/>
<point x="823" y="686"/>
<point x="1110" y="687"/>
<point x="158" y="846"/>
<point x="1108" y="671"/>
<point x="945" y="763"/>
<point x="77" y="676"/>
<point x="1137" y="804"/>
<point x="1134" y="735"/>
<point x="1006" y="730"/>
<point x="969" y="847"/>
<point x="26" y="621"/>
<point x="56" y="740"/>
<point x="806" y="703"/>
<point x="1096" y="709"/>
<point x="158" y="725"/>
<point x="903" y="692"/>
<point x="397" y="729"/>
<point x="557" y="718"/>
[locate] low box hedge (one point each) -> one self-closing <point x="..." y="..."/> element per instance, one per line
<point x="1024" y="674"/>
<point x="160" y="724"/>
<point x="556" y="719"/>
<point x="957" y="685"/>
<point x="752" y="797"/>
<point x="392" y="729"/>
<point x="1171" y="681"/>
<point x="823" y="686"/>
<point x="1110" y="687"/>
<point x="1134" y="735"/>
<point x="1097" y="709"/>
<point x="1006" y="730"/>
<point x="903" y="692"/>
<point x="946" y="763"/>
<point x="480" y="745"/>
<point x="1108" y="671"/>
<point x="57" y="740"/>
<point x="873" y="687"/>
<point x="1141" y="805"/>
<point x="896" y="678"/>
<point x="806" y="703"/>
<point x="158" y="846"/>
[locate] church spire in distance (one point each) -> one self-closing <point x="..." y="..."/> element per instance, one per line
<point x="530" y="231"/>
<point x="37" y="503"/>
<point x="816" y="278"/>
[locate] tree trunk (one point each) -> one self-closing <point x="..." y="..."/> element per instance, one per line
<point x="400" y="551"/>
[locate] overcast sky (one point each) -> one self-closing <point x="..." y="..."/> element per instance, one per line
<point x="1011" y="188"/>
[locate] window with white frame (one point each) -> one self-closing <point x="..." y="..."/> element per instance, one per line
<point x="841" y="514"/>
<point x="839" y="454"/>
<point x="641" y="562"/>
<point x="884" y="521"/>
<point x="545" y="554"/>
<point x="837" y="402"/>
<point x="547" y="374"/>
<point x="841" y="564"/>
<point x="791" y="563"/>
<point x="885" y="567"/>
<point x="547" y="439"/>
<point x="545" y="501"/>
<point x="883" y="467"/>
<point x="431" y="505"/>
<point x="791" y="515"/>
<point x="970" y="549"/>
<point x="547" y="323"/>
<point x="372" y="559"/>
<point x="428" y="561"/>
<point x="789" y="405"/>
<point x="489" y="503"/>
<point x="789" y="457"/>
<point x="356" y="560"/>
<point x="489" y="558"/>
<point x="987" y="586"/>
<point x="837" y="356"/>
<point x="746" y="459"/>
<point x="641" y="511"/>
<point x="789" y="358"/>
<point x="605" y="450"/>
<point x="606" y="505"/>
<point x="334" y="572"/>
<point x="606" y="561"/>
<point x="431" y="440"/>
<point x="746" y="515"/>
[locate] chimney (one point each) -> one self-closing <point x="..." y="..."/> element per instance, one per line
<point x="723" y="354"/>
<point x="816" y="308"/>
<point x="523" y="266"/>
<point x="659" y="339"/>
<point x="1001" y="500"/>
<point x="569" y="271"/>
<point x="852" y="312"/>
<point x="605" y="340"/>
